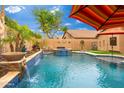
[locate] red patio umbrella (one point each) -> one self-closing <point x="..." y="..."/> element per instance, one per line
<point x="101" y="17"/>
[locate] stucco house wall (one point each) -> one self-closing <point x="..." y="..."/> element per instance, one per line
<point x="76" y="36"/>
<point x="2" y="29"/>
<point x="103" y="39"/>
<point x="121" y="43"/>
<point x="103" y="42"/>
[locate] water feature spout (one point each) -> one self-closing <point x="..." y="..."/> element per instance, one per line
<point x="25" y="69"/>
<point x="27" y="72"/>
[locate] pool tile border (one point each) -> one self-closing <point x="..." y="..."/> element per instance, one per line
<point x="29" y="61"/>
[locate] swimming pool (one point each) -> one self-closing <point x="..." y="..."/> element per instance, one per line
<point x="75" y="71"/>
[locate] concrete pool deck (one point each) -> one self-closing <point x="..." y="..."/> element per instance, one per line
<point x="12" y="74"/>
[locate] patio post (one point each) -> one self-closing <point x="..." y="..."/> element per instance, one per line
<point x="112" y="46"/>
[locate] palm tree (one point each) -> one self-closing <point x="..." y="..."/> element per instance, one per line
<point x="21" y="34"/>
<point x="12" y="24"/>
<point x="10" y="37"/>
<point x="50" y="23"/>
<point x="36" y="39"/>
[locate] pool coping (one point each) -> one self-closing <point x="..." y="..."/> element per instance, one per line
<point x="32" y="56"/>
<point x="7" y="78"/>
<point x="12" y="74"/>
<point x="94" y="54"/>
<point x="19" y="61"/>
<point x="105" y="55"/>
<point x="101" y="55"/>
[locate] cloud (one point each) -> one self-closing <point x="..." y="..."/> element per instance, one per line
<point x="14" y="9"/>
<point x="67" y="24"/>
<point x="84" y="28"/>
<point x="55" y="8"/>
<point x="78" y="21"/>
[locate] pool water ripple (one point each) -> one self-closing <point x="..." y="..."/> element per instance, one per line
<point x="75" y="71"/>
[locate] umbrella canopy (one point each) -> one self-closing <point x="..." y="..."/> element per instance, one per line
<point x="99" y="16"/>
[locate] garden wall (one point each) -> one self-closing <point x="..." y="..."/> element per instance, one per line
<point x="74" y="44"/>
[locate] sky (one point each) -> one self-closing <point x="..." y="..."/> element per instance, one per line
<point x="24" y="16"/>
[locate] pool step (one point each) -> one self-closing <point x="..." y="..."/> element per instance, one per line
<point x="110" y="59"/>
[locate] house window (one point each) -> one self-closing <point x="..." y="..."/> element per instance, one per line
<point x="113" y="41"/>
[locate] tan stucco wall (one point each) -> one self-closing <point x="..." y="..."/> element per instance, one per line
<point x="2" y="32"/>
<point x="74" y="44"/>
<point x="103" y="42"/>
<point x="121" y="43"/>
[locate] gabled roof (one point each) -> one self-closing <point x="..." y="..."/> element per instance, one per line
<point x="81" y="34"/>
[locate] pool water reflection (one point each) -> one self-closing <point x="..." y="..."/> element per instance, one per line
<point x="75" y="71"/>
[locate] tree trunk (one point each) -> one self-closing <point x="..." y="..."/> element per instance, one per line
<point x="11" y="47"/>
<point x="17" y="42"/>
<point x="21" y="45"/>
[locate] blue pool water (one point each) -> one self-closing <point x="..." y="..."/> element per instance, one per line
<point x="75" y="71"/>
<point x="62" y="52"/>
